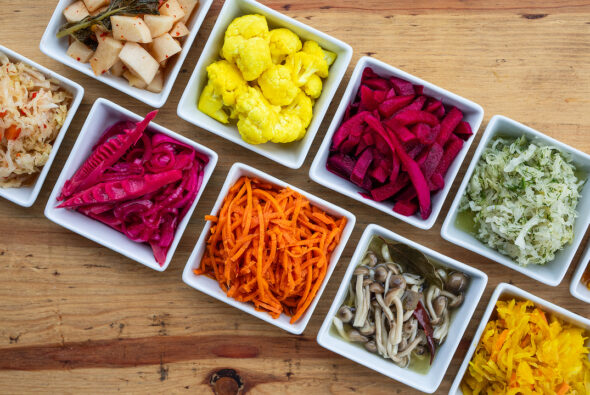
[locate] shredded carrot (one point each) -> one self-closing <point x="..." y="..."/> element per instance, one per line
<point x="270" y="247"/>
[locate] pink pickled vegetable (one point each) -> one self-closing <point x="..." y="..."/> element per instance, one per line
<point x="396" y="144"/>
<point x="448" y="124"/>
<point x="360" y="168"/>
<point x="463" y="130"/>
<point x="139" y="183"/>
<point x="411" y="117"/>
<point x="406" y="208"/>
<point x="417" y="104"/>
<point x="396" y="103"/>
<point x="451" y="151"/>
<point x="103" y="157"/>
<point x="116" y="191"/>
<point x="402" y="87"/>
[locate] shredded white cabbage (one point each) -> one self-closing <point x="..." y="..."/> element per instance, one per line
<point x="523" y="197"/>
<point x="32" y="110"/>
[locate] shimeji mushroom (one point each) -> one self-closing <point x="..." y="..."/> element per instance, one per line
<point x="385" y="296"/>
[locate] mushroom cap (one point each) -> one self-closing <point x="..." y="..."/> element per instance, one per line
<point x="411" y="299"/>
<point x="420" y="350"/>
<point x="376" y="288"/>
<point x="356" y="336"/>
<point x="392" y="294"/>
<point x="367" y="329"/>
<point x="380" y="273"/>
<point x="458" y="301"/>
<point x="397" y="281"/>
<point x="371" y="346"/>
<point x="361" y="270"/>
<point x="456" y="282"/>
<point x="440" y="304"/>
<point x="345" y="314"/>
<point x="371" y="259"/>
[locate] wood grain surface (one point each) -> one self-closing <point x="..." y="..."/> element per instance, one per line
<point x="76" y="317"/>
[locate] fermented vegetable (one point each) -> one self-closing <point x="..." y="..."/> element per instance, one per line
<point x="397" y="144"/>
<point x="399" y="304"/>
<point x="137" y="182"/>
<point x="271" y="247"/>
<point x="526" y="351"/>
<point x="33" y="109"/>
<point x="523" y="198"/>
<point x="133" y="39"/>
<point x="267" y="81"/>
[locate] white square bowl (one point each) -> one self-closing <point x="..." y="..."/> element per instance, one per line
<point x="26" y="196"/>
<point x="292" y="154"/>
<point x="577" y="289"/>
<point x="506" y="292"/>
<point x="426" y="382"/>
<point x="552" y="272"/>
<point x="56" y="48"/>
<point x="473" y="114"/>
<point x="211" y="287"/>
<point x="103" y="114"/>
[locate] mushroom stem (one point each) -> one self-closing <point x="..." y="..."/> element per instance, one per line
<point x="408" y="314"/>
<point x="430" y="295"/>
<point x="385" y="253"/>
<point x="399" y="319"/>
<point x="340" y="328"/>
<point x="389" y="274"/>
<point x="378" y="329"/>
<point x="409" y="349"/>
<point x="441" y="331"/>
<point x="361" y="314"/>
<point x="386" y="309"/>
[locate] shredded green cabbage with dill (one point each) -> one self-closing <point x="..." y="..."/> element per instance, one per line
<point x="523" y="197"/>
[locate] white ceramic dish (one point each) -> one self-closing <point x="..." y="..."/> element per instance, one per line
<point x="506" y="291"/>
<point x="473" y="114"/>
<point x="577" y="289"/>
<point x="56" y="48"/>
<point x="211" y="287"/>
<point x="102" y="115"/>
<point x="26" y="196"/>
<point x="293" y="154"/>
<point x="552" y="272"/>
<point x="426" y="382"/>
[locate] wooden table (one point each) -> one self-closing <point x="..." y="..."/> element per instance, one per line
<point x="77" y="317"/>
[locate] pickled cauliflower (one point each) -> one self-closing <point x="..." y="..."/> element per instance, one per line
<point x="267" y="80"/>
<point x="277" y="85"/>
<point x="283" y="42"/>
<point x="247" y="45"/>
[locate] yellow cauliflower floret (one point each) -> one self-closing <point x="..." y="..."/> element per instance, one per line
<point x="256" y="116"/>
<point x="227" y="81"/>
<point x="313" y="86"/>
<point x="302" y="108"/>
<point x="283" y="42"/>
<point x="302" y="66"/>
<point x="287" y="128"/>
<point x="277" y="85"/>
<point x="313" y="48"/>
<point x="212" y="104"/>
<point x="246" y="44"/>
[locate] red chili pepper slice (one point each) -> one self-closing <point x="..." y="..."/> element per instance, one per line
<point x="424" y="321"/>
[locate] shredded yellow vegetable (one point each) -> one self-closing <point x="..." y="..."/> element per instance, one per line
<point x="524" y="351"/>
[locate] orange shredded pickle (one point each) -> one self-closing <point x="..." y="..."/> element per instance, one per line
<point x="270" y="247"/>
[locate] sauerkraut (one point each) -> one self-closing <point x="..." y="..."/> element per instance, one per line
<point x="32" y="110"/>
<point x="523" y="198"/>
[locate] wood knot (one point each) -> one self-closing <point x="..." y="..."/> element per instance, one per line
<point x="226" y="382"/>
